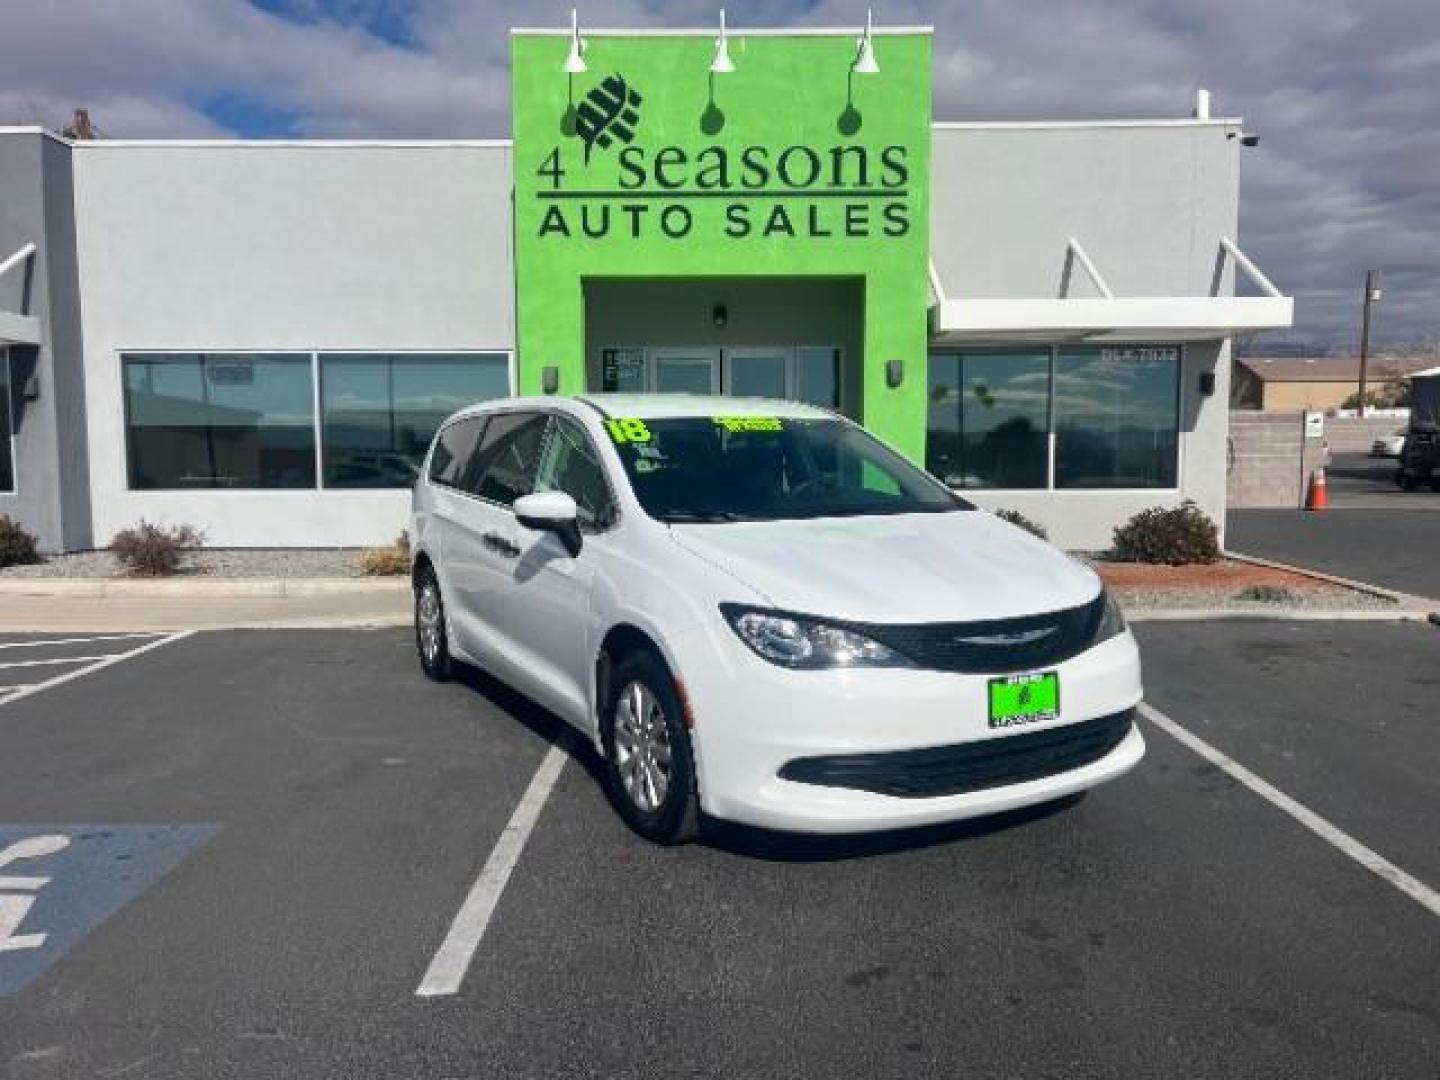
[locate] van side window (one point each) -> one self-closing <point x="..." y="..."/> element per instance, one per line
<point x="504" y="466"/>
<point x="453" y="448"/>
<point x="570" y="465"/>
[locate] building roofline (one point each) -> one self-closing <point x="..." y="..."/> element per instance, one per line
<point x="711" y="31"/>
<point x="1024" y="125"/>
<point x="413" y="144"/>
<point x="322" y="144"/>
<point x="33" y="129"/>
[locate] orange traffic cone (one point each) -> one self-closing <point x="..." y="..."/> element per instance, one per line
<point x="1317" y="499"/>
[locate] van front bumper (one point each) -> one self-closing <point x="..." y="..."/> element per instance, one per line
<point x="858" y="750"/>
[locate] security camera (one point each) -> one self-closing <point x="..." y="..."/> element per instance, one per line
<point x="1247" y="139"/>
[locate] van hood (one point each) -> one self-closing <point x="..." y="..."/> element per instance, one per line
<point x="910" y="568"/>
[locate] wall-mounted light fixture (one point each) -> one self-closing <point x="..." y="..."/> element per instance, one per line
<point x="722" y="64"/>
<point x="865" y="55"/>
<point x="1207" y="384"/>
<point x="719" y="315"/>
<point x="575" y="62"/>
<point x="550" y="378"/>
<point x="894" y="373"/>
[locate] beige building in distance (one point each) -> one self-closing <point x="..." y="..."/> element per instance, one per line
<point x="1320" y="382"/>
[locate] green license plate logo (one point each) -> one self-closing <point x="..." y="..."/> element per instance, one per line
<point x="1024" y="699"/>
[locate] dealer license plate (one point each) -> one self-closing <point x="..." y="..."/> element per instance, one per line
<point x="1024" y="699"/>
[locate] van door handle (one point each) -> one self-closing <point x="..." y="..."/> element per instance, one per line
<point x="495" y="542"/>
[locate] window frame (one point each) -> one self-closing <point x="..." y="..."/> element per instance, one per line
<point x="1180" y="365"/>
<point x="119" y="354"/>
<point x="124" y="456"/>
<point x="11" y="441"/>
<point x="1052" y="413"/>
<point x="319" y="357"/>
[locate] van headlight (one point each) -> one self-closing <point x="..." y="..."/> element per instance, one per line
<point x="1112" y="622"/>
<point x="794" y="641"/>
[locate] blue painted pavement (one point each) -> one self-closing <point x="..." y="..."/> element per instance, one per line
<point x="59" y="882"/>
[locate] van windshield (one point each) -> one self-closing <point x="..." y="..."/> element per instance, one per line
<point x="752" y="468"/>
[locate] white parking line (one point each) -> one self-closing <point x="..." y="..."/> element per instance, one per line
<point x="447" y="970"/>
<point x="1412" y="887"/>
<point x="103" y="662"/>
<point x="57" y="660"/>
<point x="74" y="640"/>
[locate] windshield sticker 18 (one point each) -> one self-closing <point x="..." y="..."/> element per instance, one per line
<point x="624" y="431"/>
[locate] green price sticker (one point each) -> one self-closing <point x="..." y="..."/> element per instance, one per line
<point x="749" y="423"/>
<point x="627" y="431"/>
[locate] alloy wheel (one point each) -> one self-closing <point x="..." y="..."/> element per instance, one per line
<point x="427" y="621"/>
<point x="642" y="747"/>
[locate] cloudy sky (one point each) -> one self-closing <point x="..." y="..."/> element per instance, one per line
<point x="1344" y="93"/>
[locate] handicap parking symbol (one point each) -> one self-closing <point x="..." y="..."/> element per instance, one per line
<point x="59" y="882"/>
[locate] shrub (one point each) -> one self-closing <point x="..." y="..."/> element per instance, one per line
<point x="1177" y="536"/>
<point x="150" y="550"/>
<point x="1014" y="517"/>
<point x="387" y="561"/>
<point x="17" y="547"/>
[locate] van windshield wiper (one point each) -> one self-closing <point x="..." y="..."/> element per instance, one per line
<point x="685" y="517"/>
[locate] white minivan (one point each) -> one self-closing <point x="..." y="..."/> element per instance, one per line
<point x="759" y="612"/>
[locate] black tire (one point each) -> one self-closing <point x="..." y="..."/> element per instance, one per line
<point x="1434" y="484"/>
<point x="675" y="819"/>
<point x="1409" y="483"/>
<point x="435" y="661"/>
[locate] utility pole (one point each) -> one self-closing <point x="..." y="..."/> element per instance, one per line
<point x="1372" y="294"/>
<point x="80" y="127"/>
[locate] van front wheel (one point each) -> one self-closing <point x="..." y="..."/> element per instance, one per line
<point x="431" y="641"/>
<point x="649" y="765"/>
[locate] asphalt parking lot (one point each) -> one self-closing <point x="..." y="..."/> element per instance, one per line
<point x="1362" y="482"/>
<point x="1395" y="548"/>
<point x="267" y="835"/>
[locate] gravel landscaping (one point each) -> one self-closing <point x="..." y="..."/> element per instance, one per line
<point x="1228" y="584"/>
<point x="236" y="563"/>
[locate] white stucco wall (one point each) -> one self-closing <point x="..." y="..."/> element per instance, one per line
<point x="281" y="247"/>
<point x="1149" y="202"/>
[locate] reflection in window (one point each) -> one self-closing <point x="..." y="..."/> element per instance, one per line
<point x="569" y="464"/>
<point x="379" y="412"/>
<point x="988" y="418"/>
<point x="7" y="426"/>
<point x="817" y="376"/>
<point x="219" y="420"/>
<point x="1117" y="417"/>
<point x="454" y="449"/>
<point x="504" y="467"/>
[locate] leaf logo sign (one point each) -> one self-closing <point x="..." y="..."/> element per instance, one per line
<point x="610" y="111"/>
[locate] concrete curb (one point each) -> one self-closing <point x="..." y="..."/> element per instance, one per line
<point x="1280" y="614"/>
<point x="182" y="589"/>
<point x="1332" y="579"/>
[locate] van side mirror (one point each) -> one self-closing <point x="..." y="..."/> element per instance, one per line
<point x="552" y="512"/>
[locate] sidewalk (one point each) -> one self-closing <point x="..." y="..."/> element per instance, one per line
<point x="48" y="606"/>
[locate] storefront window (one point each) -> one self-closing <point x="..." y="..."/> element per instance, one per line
<point x="219" y="421"/>
<point x="7" y="426"/>
<point x="379" y="412"/>
<point x="817" y="376"/>
<point x="1117" y="417"/>
<point x="989" y="418"/>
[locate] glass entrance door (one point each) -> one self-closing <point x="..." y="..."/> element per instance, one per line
<point x="758" y="373"/>
<point x="685" y="371"/>
<point x="808" y="373"/>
